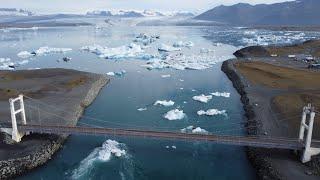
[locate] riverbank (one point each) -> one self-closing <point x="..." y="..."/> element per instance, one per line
<point x="69" y="90"/>
<point x="265" y="116"/>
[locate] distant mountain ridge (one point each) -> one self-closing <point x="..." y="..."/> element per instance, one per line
<point x="14" y="12"/>
<point x="133" y="13"/>
<point x="302" y="13"/>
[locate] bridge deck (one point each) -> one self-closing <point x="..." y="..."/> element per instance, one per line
<point x="266" y="142"/>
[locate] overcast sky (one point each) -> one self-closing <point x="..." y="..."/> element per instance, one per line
<point x="82" y="6"/>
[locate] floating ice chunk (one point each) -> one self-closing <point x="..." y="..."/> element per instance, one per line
<point x="142" y="109"/>
<point x="164" y="103"/>
<point x="221" y="94"/>
<point x="183" y="44"/>
<point x="47" y="50"/>
<point x="24" y="54"/>
<point x="175" y="114"/>
<point x="174" y="147"/>
<point x="202" y="98"/>
<point x="166" y="48"/>
<point x="181" y="88"/>
<point x="121" y="73"/>
<point x="130" y="51"/>
<point x="181" y="80"/>
<point x="6" y="64"/>
<point x="100" y="154"/>
<point x="211" y="112"/>
<point x="194" y="130"/>
<point x="111" y="74"/>
<point x="166" y="76"/>
<point x="145" y="39"/>
<point x="291" y="56"/>
<point x="167" y="147"/>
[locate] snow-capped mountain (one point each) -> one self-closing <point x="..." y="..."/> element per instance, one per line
<point x="14" y="12"/>
<point x="134" y="13"/>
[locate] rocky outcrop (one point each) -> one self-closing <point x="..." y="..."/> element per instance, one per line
<point x="50" y="144"/>
<point x="258" y="157"/>
<point x="252" y="51"/>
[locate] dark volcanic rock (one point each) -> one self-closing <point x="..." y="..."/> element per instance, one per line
<point x="252" y="51"/>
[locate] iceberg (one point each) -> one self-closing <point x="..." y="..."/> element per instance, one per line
<point x="42" y="51"/>
<point x="123" y="52"/>
<point x="6" y="64"/>
<point x="164" y="103"/>
<point x="194" y="130"/>
<point x="211" y="112"/>
<point x="175" y="114"/>
<point x="202" y="98"/>
<point x="111" y="74"/>
<point x="221" y="94"/>
<point x="24" y="54"/>
<point x="142" y="109"/>
<point x="166" y="76"/>
<point x="183" y="44"/>
<point x="166" y="48"/>
<point x="100" y="154"/>
<point x="145" y="39"/>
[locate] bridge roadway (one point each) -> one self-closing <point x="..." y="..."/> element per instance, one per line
<point x="265" y="142"/>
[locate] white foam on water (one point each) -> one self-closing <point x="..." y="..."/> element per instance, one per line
<point x="202" y="98"/>
<point x="212" y="112"/>
<point x="100" y="154"/>
<point x="221" y="94"/>
<point x="164" y="103"/>
<point x="174" y="114"/>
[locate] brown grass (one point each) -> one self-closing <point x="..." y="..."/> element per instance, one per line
<point x="260" y="73"/>
<point x="5" y="94"/>
<point x="309" y="47"/>
<point x="6" y="76"/>
<point x="290" y="106"/>
<point x="76" y="82"/>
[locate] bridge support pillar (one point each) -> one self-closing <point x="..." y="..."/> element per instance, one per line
<point x="16" y="135"/>
<point x="304" y="126"/>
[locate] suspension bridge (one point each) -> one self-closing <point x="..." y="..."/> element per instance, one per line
<point x="304" y="143"/>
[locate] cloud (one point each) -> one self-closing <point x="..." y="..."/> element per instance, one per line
<point x="81" y="6"/>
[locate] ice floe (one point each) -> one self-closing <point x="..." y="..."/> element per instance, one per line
<point x="100" y="154"/>
<point x="194" y="130"/>
<point x="202" y="98"/>
<point x="167" y="48"/>
<point x="111" y="74"/>
<point x="146" y="39"/>
<point x="164" y="103"/>
<point x="129" y="51"/>
<point x="212" y="112"/>
<point x="166" y="76"/>
<point x="43" y="51"/>
<point x="183" y="44"/>
<point x="175" y="114"/>
<point x="6" y="64"/>
<point x="142" y="109"/>
<point x="221" y="94"/>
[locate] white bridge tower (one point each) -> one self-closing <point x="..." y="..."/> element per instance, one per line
<point x="16" y="135"/>
<point x="306" y="128"/>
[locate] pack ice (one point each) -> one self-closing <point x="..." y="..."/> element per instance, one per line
<point x="211" y="112"/>
<point x="42" y="51"/>
<point x="129" y="51"/>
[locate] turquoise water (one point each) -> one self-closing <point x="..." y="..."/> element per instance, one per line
<point x="82" y="157"/>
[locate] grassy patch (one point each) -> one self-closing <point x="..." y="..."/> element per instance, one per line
<point x="260" y="73"/>
<point x="308" y="47"/>
<point x="290" y="106"/>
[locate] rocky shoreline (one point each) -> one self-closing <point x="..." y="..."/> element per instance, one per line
<point x="258" y="157"/>
<point x="40" y="155"/>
